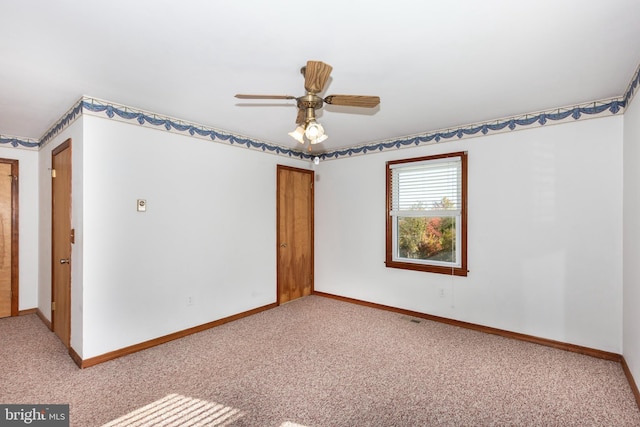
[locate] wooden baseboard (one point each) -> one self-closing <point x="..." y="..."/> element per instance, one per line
<point x="632" y="382"/>
<point x="44" y="319"/>
<point x="76" y="357"/>
<point x="27" y="312"/>
<point x="161" y="340"/>
<point x="486" y="329"/>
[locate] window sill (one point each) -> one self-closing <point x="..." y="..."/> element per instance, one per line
<point x="439" y="269"/>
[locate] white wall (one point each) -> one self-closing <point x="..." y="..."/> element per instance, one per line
<point x="545" y="234"/>
<point x="551" y="267"/>
<point x="631" y="294"/>
<point x="28" y="224"/>
<point x="208" y="234"/>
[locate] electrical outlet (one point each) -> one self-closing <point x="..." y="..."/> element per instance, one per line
<point x="441" y="292"/>
<point x="189" y="300"/>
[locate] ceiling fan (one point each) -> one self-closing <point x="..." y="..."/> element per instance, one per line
<point x="316" y="74"/>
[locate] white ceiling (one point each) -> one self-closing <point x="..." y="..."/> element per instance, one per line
<point x="434" y="64"/>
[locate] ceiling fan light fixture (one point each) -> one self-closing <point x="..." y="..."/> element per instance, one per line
<point x="297" y="134"/>
<point x="314" y="131"/>
<point x="319" y="139"/>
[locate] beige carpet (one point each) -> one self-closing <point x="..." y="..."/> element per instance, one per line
<point x="319" y="362"/>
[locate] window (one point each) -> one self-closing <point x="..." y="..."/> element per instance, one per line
<point x="427" y="214"/>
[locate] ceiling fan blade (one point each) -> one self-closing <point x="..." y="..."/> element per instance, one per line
<point x="316" y="75"/>
<point x="301" y="116"/>
<point x="353" y="100"/>
<point x="244" y="96"/>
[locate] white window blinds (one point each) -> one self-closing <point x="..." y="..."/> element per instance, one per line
<point x="427" y="188"/>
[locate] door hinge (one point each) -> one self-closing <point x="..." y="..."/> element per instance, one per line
<point x="53" y="306"/>
<point x="53" y="173"/>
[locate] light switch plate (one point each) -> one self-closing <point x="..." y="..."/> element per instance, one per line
<point x="141" y="205"/>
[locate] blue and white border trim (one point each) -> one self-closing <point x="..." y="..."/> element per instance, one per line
<point x="110" y="110"/>
<point x="69" y="117"/>
<point x="17" y="142"/>
<point x="557" y="115"/>
<point x="632" y="88"/>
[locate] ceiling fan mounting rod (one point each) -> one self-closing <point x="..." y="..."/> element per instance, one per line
<point x="310" y="115"/>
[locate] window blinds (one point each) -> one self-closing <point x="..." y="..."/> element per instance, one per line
<point x="427" y="188"/>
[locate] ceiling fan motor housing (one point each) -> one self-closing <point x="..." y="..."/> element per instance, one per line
<point x="309" y="101"/>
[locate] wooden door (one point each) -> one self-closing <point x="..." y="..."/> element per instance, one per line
<point x="294" y="233"/>
<point x="61" y="242"/>
<point x="8" y="238"/>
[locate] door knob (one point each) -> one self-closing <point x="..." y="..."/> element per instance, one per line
<point x="64" y="261"/>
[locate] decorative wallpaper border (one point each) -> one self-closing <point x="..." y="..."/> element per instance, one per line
<point x="632" y="88"/>
<point x="110" y="110"/>
<point x="17" y="142"/>
<point x="557" y="115"/>
<point x="69" y="117"/>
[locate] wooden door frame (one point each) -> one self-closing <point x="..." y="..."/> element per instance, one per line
<point x="312" y="173"/>
<point x="66" y="144"/>
<point x="15" y="236"/>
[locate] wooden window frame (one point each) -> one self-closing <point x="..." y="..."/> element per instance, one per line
<point x="460" y="270"/>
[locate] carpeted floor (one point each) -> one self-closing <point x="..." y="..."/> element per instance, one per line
<point x="319" y="362"/>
